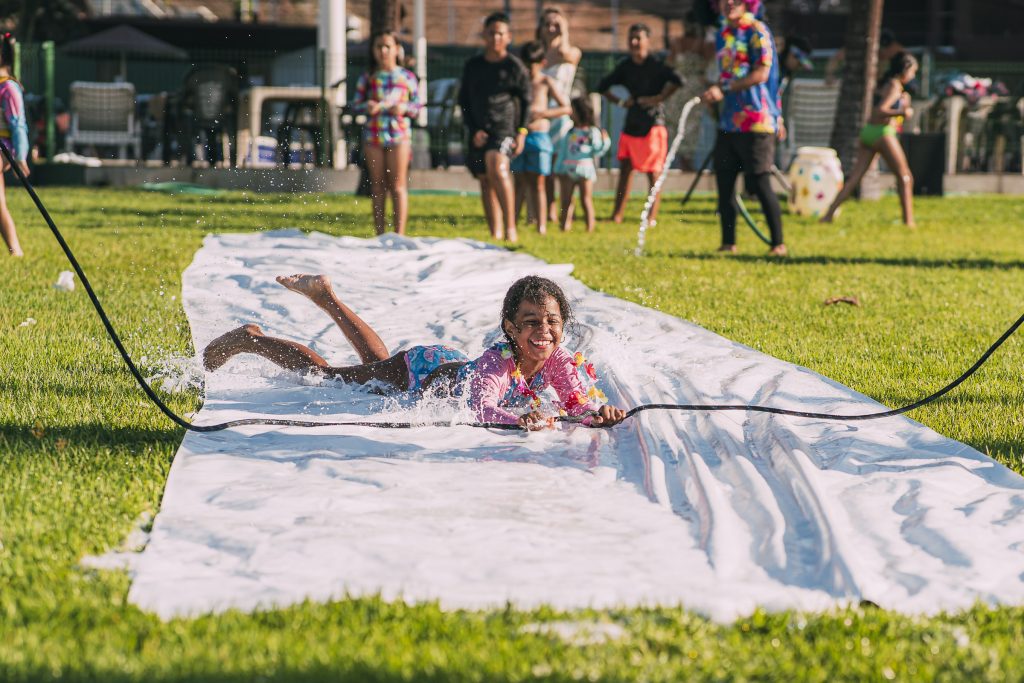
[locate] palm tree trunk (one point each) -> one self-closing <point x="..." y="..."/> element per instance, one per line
<point x="859" y="74"/>
<point x="384" y="16"/>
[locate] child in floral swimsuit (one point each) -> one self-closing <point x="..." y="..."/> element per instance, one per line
<point x="505" y="380"/>
<point x="390" y="96"/>
<point x="576" y="166"/>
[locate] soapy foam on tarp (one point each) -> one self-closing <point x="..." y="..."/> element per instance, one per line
<point x="718" y="512"/>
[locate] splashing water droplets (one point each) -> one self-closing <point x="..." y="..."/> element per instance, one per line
<point x="645" y="215"/>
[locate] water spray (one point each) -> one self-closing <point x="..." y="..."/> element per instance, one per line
<point x="645" y="215"/>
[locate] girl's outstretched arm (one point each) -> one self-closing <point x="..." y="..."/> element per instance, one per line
<point x="608" y="416"/>
<point x="12" y="104"/>
<point x="600" y="140"/>
<point x="360" y="104"/>
<point x="415" y="99"/>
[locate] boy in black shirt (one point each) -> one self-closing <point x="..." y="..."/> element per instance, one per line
<point x="495" y="101"/>
<point x="643" y="142"/>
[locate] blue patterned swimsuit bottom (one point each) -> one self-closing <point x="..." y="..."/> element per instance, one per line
<point x="423" y="360"/>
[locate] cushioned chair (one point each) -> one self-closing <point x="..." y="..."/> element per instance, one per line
<point x="811" y="113"/>
<point x="443" y="119"/>
<point x="300" y="136"/>
<point x="209" y="106"/>
<point x="103" y="114"/>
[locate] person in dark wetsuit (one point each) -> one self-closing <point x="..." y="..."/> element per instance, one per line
<point x="495" y="97"/>
<point x="747" y="95"/>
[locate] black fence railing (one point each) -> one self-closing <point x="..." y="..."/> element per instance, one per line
<point x="159" y="87"/>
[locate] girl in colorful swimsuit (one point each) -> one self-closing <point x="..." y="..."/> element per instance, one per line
<point x="503" y="382"/>
<point x="575" y="167"/>
<point x="390" y="96"/>
<point x="878" y="136"/>
<point x="13" y="136"/>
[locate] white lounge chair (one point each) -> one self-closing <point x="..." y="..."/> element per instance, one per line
<point x="811" y="113"/>
<point x="104" y="114"/>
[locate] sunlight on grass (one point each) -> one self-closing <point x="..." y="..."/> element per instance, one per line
<point x="82" y="453"/>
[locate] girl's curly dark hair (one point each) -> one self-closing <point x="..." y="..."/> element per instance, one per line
<point x="7" y="51"/>
<point x="534" y="289"/>
<point x="900" y="63"/>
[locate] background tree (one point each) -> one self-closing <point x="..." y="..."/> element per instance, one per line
<point x="385" y="15"/>
<point x="860" y="71"/>
<point x="37" y="20"/>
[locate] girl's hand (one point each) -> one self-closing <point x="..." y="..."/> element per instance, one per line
<point x="534" y="421"/>
<point x="480" y="138"/>
<point x="372" y="107"/>
<point x="712" y="95"/>
<point x="23" y="165"/>
<point x="908" y="110"/>
<point x="397" y="109"/>
<point x="608" y="416"/>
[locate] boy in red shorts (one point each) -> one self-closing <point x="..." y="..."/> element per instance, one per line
<point x="643" y="142"/>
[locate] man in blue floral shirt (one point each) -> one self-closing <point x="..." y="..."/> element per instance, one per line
<point x="749" y="117"/>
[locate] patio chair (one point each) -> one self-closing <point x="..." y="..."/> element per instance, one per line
<point x="300" y="136"/>
<point x="443" y="123"/>
<point x="210" y="112"/>
<point x="103" y="114"/>
<point x="811" y="113"/>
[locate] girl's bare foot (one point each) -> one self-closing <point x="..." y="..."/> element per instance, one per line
<point x="778" y="250"/>
<point x="617" y="218"/>
<point x="911" y="224"/>
<point x="511" y="236"/>
<point x="223" y="348"/>
<point x="312" y="287"/>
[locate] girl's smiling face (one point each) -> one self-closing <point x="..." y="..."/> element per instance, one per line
<point x="385" y="50"/>
<point x="536" y="330"/>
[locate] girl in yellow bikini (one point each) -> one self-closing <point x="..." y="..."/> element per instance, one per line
<point x="891" y="103"/>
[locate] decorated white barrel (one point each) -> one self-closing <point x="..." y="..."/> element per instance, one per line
<point x="816" y="177"/>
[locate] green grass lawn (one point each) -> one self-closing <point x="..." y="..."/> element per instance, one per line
<point x="82" y="454"/>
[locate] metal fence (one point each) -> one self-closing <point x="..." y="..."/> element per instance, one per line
<point x="157" y="83"/>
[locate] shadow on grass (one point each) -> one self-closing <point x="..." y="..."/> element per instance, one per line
<point x="899" y="262"/>
<point x="21" y="438"/>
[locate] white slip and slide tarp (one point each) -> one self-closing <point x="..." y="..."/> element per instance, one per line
<point x="720" y="513"/>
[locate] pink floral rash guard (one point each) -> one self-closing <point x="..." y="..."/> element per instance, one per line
<point x="496" y="385"/>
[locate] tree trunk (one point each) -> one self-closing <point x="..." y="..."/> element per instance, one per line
<point x="384" y="16"/>
<point x="859" y="74"/>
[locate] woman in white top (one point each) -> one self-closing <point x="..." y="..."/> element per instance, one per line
<point x="560" y="62"/>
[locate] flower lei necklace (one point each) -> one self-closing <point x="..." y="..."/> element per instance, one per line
<point x="588" y="377"/>
<point x="522" y="386"/>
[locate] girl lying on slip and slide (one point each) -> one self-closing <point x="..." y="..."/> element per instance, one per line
<point x="507" y="376"/>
